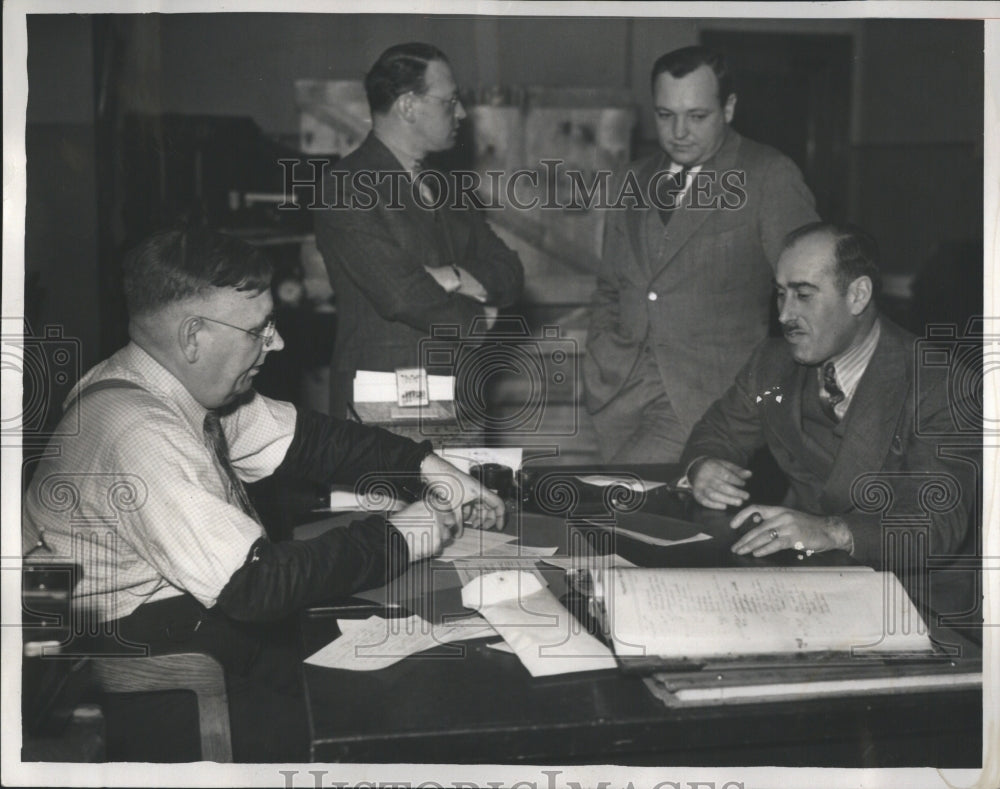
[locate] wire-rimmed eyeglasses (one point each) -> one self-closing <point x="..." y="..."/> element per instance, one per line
<point x="266" y="334"/>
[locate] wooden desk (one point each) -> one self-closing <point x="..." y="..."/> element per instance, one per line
<point x="467" y="703"/>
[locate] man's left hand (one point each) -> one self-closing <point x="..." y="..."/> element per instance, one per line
<point x="781" y="528"/>
<point x="451" y="489"/>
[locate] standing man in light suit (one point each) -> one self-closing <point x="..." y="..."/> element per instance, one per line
<point x="684" y="287"/>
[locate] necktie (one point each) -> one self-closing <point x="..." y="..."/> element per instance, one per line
<point x="834" y="393"/>
<point x="216" y="439"/>
<point x="676" y="182"/>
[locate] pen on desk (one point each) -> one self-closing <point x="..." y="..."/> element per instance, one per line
<point x="354" y="414"/>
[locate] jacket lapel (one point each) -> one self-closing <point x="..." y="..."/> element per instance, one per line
<point x="870" y="424"/>
<point x="686" y="220"/>
<point x="784" y="419"/>
<point x="635" y="217"/>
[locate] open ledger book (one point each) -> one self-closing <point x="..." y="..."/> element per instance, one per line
<point x="677" y="615"/>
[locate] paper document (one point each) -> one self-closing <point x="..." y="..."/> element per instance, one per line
<point x="588" y="562"/>
<point x="376" y="643"/>
<point x="473" y="567"/>
<point x="696" y="613"/>
<point x="660" y="541"/>
<point x="632" y="483"/>
<point x="543" y="634"/>
<point x="464" y="458"/>
<point x="476" y="542"/>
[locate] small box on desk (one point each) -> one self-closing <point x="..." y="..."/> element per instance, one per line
<point x="410" y="403"/>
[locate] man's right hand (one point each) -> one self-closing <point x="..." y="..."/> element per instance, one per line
<point x="718" y="484"/>
<point x="425" y="528"/>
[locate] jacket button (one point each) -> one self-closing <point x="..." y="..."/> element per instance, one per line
<point x="652" y="295"/>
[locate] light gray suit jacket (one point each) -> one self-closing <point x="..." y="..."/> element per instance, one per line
<point x="712" y="278"/>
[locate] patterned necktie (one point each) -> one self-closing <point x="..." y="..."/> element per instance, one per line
<point x="834" y="393"/>
<point x="676" y="183"/>
<point x="216" y="439"/>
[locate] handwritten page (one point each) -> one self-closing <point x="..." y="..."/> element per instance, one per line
<point x="376" y="643"/>
<point x="543" y="634"/>
<point x="682" y="613"/>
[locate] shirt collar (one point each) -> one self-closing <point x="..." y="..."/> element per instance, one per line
<point x="406" y="160"/>
<point x="851" y="364"/>
<point x="132" y="363"/>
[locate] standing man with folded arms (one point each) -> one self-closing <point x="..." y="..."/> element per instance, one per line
<point x="170" y="428"/>
<point x="684" y="285"/>
<point x="402" y="256"/>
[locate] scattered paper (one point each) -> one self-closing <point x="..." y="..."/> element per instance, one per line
<point x="464" y="458"/>
<point x="594" y="562"/>
<point x="660" y="541"/>
<point x="473" y="567"/>
<point x="630" y="482"/>
<point x="543" y="634"/>
<point x="477" y="542"/>
<point x="501" y="646"/>
<point x="376" y="643"/>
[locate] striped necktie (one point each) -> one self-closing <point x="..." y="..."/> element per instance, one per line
<point x="834" y="394"/>
<point x="216" y="439"/>
<point x="676" y="183"/>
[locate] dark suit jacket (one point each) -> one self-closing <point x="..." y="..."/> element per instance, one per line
<point x="893" y="470"/>
<point x="713" y="279"/>
<point x="386" y="301"/>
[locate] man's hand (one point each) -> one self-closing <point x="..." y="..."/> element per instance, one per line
<point x="450" y="490"/>
<point x="425" y="528"/>
<point x="780" y="528"/>
<point x="718" y="484"/>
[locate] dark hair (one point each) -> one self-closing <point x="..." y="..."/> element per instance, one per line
<point x="855" y="252"/>
<point x="172" y="265"/>
<point x="682" y="62"/>
<point x="398" y="70"/>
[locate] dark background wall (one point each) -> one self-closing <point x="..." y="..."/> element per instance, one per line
<point x="914" y="136"/>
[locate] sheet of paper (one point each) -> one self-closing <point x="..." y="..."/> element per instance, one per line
<point x="473" y="567"/>
<point x="604" y="561"/>
<point x="660" y="541"/>
<point x="346" y="499"/>
<point x="476" y="542"/>
<point x="630" y="482"/>
<point x="543" y="634"/>
<point x="376" y="643"/>
<point x="463" y="458"/>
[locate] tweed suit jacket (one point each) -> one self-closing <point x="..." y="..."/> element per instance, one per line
<point x="712" y="277"/>
<point x="386" y="301"/>
<point x="901" y="458"/>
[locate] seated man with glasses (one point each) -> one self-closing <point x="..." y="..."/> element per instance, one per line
<point x="403" y="248"/>
<point x="143" y="488"/>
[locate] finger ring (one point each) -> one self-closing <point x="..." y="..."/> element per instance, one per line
<point x="799" y="546"/>
<point x="773" y="533"/>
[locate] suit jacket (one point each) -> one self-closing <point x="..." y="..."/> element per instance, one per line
<point x="386" y="301"/>
<point x="712" y="278"/>
<point x="892" y="465"/>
